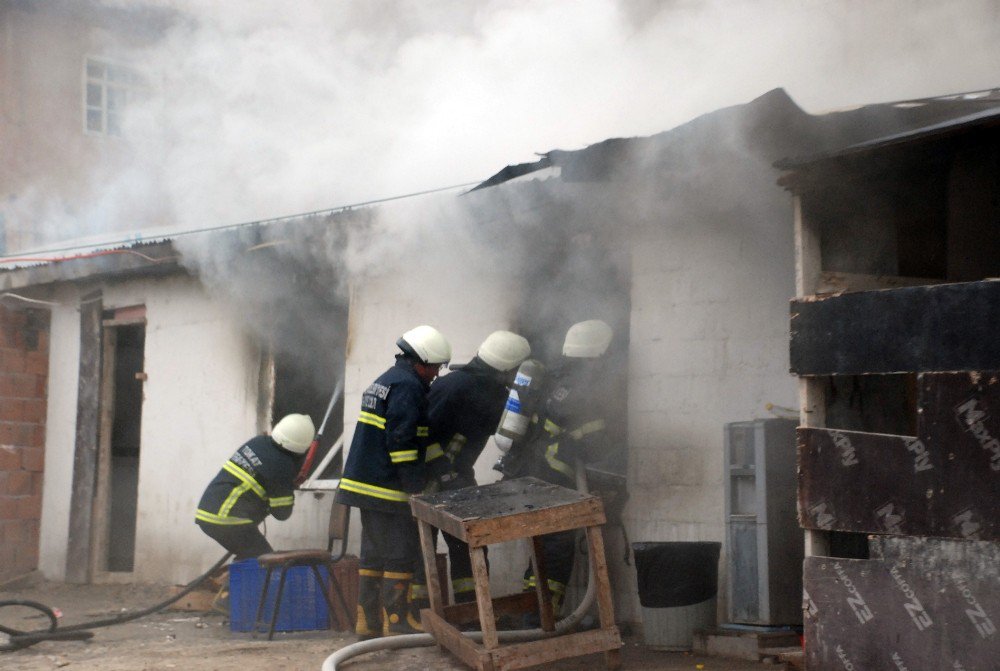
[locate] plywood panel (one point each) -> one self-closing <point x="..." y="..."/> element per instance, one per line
<point x="960" y="421"/>
<point x="918" y="606"/>
<point x="949" y="327"/>
<point x="853" y="481"/>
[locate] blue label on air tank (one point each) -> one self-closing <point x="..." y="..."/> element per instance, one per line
<point x="522" y="380"/>
<point x="513" y="402"/>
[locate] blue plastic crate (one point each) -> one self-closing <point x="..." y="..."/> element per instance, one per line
<point x="303" y="606"/>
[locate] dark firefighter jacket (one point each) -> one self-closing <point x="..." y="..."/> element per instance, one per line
<point x="464" y="408"/>
<point x="256" y="480"/>
<point x="386" y="461"/>
<point x="571" y="424"/>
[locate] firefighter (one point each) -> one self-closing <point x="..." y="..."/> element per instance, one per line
<point x="386" y="465"/>
<point x="463" y="411"/>
<point x="570" y="427"/>
<point x="256" y="481"/>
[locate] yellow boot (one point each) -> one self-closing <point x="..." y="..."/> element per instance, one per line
<point x="369" y="624"/>
<point x="397" y="615"/>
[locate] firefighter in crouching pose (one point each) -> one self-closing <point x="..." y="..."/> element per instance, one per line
<point x="463" y="411"/>
<point x="256" y="481"/>
<point x="384" y="466"/>
<point x="570" y="426"/>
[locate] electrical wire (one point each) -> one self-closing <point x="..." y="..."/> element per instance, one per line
<point x="136" y="238"/>
<point x="28" y="300"/>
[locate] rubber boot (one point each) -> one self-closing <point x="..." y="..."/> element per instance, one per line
<point x="397" y="614"/>
<point x="369" y="624"/>
<point x="464" y="589"/>
<point x="419" y="599"/>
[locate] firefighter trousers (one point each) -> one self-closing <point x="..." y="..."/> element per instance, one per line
<point x="389" y="542"/>
<point x="243" y="540"/>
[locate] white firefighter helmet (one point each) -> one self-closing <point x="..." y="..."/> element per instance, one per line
<point x="504" y="350"/>
<point x="427" y="344"/>
<point x="587" y="340"/>
<point x="294" y="433"/>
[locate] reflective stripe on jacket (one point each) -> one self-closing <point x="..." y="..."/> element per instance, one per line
<point x="572" y="425"/>
<point x="256" y="480"/>
<point x="386" y="460"/>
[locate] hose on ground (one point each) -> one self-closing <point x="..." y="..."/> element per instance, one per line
<point x="424" y="640"/>
<point x="23" y="639"/>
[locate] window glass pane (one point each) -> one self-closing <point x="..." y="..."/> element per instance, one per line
<point x="116" y="99"/>
<point x="94" y="95"/>
<point x="118" y="73"/>
<point x="95" y="70"/>
<point x="94" y="121"/>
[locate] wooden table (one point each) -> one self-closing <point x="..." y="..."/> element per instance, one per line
<point x="497" y="513"/>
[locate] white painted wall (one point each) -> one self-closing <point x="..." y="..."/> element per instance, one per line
<point x="709" y="345"/>
<point x="200" y="404"/>
<point x="60" y="432"/>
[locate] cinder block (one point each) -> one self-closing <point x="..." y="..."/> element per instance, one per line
<point x="10" y="410"/>
<point x="12" y="360"/>
<point x="33" y="410"/>
<point x="37" y="363"/>
<point x="39" y="387"/>
<point x="29" y="507"/>
<point x="8" y="508"/>
<point x="33" y="459"/>
<point x="18" y="483"/>
<point x="10" y="457"/>
<point x="25" y="434"/>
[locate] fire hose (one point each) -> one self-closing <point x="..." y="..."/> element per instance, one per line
<point x="79" y="632"/>
<point x="314" y="445"/>
<point x="424" y="640"/>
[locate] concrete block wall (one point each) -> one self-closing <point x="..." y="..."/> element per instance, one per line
<point x="24" y="347"/>
<point x="709" y="346"/>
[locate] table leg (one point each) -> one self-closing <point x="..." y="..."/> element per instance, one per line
<point x="599" y="561"/>
<point x="547" y="617"/>
<point x="605" y="608"/>
<point x="487" y="621"/>
<point x="430" y="566"/>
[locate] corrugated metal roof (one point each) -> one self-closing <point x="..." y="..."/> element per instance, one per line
<point x="985" y="117"/>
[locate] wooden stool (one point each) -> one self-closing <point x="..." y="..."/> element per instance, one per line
<point x="497" y="513"/>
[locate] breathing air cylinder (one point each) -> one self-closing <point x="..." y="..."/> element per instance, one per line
<point x="520" y="406"/>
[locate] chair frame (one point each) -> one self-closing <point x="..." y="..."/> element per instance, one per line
<point x="340" y="520"/>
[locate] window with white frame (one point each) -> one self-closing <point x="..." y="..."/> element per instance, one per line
<point x="107" y="88"/>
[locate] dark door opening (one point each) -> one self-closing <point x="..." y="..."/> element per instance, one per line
<point x="117" y="491"/>
<point x="125" y="433"/>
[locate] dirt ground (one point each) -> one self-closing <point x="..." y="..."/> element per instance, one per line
<point x="203" y="642"/>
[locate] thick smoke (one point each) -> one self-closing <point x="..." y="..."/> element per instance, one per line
<point x="264" y="111"/>
<point x="261" y="111"/>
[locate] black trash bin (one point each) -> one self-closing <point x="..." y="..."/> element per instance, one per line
<point x="678" y="585"/>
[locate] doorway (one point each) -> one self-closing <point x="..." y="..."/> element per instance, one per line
<point x="116" y="493"/>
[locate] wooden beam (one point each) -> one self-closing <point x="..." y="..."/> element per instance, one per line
<point x="487" y="620"/>
<point x="947" y="327"/>
<point x="430" y="566"/>
<point x="532" y="653"/>
<point x="85" y="451"/>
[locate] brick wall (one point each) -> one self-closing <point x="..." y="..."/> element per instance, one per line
<point x="24" y="362"/>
